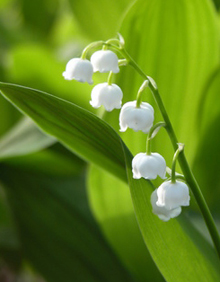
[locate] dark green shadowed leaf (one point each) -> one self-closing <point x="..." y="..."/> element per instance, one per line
<point x="76" y="128"/>
<point x="58" y="234"/>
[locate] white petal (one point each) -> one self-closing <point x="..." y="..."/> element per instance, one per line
<point x="162" y="212"/>
<point x="80" y="70"/>
<point x="105" y="61"/>
<point x="161" y="167"/>
<point x="109" y="96"/>
<point x="172" y="195"/>
<point x="136" y="118"/>
<point x="148" y="166"/>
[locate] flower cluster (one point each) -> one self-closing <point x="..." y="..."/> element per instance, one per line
<point x="107" y="94"/>
<point x="172" y="194"/>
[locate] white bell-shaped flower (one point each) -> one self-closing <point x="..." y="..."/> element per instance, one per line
<point x="163" y="213"/>
<point x="109" y="96"/>
<point x="172" y="195"/>
<point x="148" y="166"/>
<point x="79" y="69"/>
<point x="140" y="118"/>
<point x="105" y="61"/>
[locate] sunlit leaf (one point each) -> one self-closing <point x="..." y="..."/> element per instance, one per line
<point x="78" y="129"/>
<point x="100" y="19"/>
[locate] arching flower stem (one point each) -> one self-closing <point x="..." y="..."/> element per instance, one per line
<point x="91" y="46"/>
<point x="175" y="157"/>
<point x="190" y="179"/>
<point x="152" y="133"/>
<point x="140" y="91"/>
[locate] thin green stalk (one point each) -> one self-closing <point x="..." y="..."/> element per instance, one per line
<point x="152" y="133"/>
<point x="175" y="157"/>
<point x="182" y="159"/>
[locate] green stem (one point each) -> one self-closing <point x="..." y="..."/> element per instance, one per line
<point x="140" y="91"/>
<point x="90" y="46"/>
<point x="152" y="133"/>
<point x="190" y="179"/>
<point x="175" y="157"/>
<point x="110" y="77"/>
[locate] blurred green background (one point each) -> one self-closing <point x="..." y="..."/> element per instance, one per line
<point x="57" y="221"/>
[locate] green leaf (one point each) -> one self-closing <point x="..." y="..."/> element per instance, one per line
<point x="24" y="138"/>
<point x="99" y="19"/>
<point x="58" y="234"/>
<point x="79" y="130"/>
<point x="166" y="241"/>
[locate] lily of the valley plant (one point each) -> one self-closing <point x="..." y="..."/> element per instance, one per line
<point x="173" y="193"/>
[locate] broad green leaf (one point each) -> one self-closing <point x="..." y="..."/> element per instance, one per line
<point x="58" y="235"/>
<point x="180" y="254"/>
<point x="24" y="138"/>
<point x="79" y="130"/>
<point x="99" y="19"/>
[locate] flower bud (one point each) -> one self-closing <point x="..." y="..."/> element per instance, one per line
<point x="148" y="166"/>
<point x="105" y="61"/>
<point x="80" y="70"/>
<point x="172" y="195"/>
<point x="163" y="213"/>
<point x="107" y="95"/>
<point x="136" y="118"/>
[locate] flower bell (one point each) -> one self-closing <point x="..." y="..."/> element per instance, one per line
<point x="105" y="61"/>
<point x="137" y="118"/>
<point x="148" y="166"/>
<point x="172" y="195"/>
<point x="163" y="213"/>
<point x="109" y="96"/>
<point x="79" y="69"/>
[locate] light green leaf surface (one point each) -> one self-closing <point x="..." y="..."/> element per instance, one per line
<point x="24" y="138"/>
<point x="176" y="43"/>
<point x="99" y="19"/>
<point x="58" y="234"/>
<point x="71" y="125"/>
